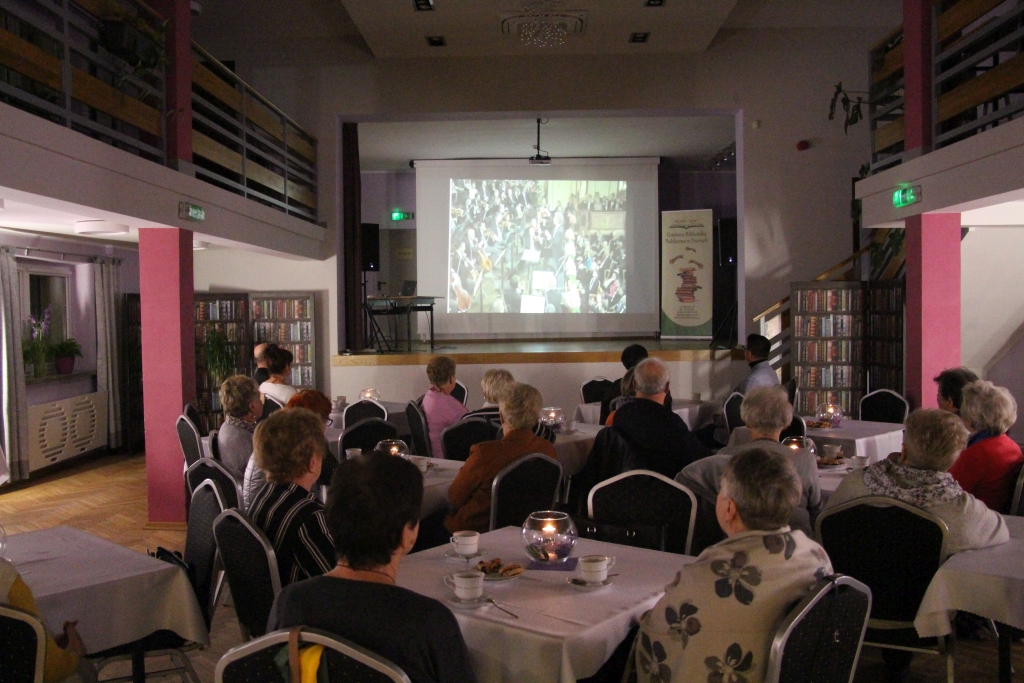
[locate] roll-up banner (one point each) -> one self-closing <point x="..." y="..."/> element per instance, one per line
<point x="686" y="275"/>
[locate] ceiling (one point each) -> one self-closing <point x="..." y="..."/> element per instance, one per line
<point x="390" y="146"/>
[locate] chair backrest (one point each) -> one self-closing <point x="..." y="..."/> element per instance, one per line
<point x="460" y="392"/>
<point x="360" y="410"/>
<point x="250" y="565"/>
<point x="22" y="646"/>
<point x="796" y="428"/>
<point x="892" y="547"/>
<point x="595" y="389"/>
<point x="367" y="433"/>
<point x="208" y="468"/>
<point x="418" y="428"/>
<point x="646" y="498"/>
<point x="610" y="455"/>
<point x="1015" y="506"/>
<point x="214" y="446"/>
<point x="527" y="485"/>
<point x="618" y="401"/>
<point x="191" y="411"/>
<point x="200" y="545"/>
<point x="732" y="411"/>
<point x="188" y="437"/>
<point x="791" y="387"/>
<point x="819" y="640"/>
<point x="270" y="405"/>
<point x="457" y="440"/>
<point x="253" y="662"/>
<point x="884" y="405"/>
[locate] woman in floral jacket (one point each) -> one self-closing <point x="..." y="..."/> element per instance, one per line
<point x="716" y="621"/>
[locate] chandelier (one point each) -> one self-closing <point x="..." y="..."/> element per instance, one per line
<point x="543" y="23"/>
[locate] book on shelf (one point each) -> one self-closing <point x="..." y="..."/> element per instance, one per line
<point x="282" y="309"/>
<point x="828" y="300"/>
<point x="830" y="351"/>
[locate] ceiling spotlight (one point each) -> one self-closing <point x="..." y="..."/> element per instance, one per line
<point x="436" y="41"/>
<point x="654" y="3"/>
<point x="100" y="228"/>
<point x="639" y="37"/>
<point x="423" y="5"/>
<point x="199" y="246"/>
<point x="540" y="157"/>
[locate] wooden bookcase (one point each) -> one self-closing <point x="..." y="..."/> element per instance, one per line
<point x="289" y="320"/>
<point x="885" y="335"/>
<point x="227" y="313"/>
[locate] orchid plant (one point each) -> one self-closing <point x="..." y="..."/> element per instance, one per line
<point x="36" y="347"/>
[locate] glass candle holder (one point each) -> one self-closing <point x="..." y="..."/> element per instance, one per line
<point x="552" y="417"/>
<point x="831" y="413"/>
<point x="804" y="442"/>
<point x="369" y="393"/>
<point x="549" y="536"/>
<point x="392" y="447"/>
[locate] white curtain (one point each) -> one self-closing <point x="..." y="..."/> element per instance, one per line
<point x="108" y="356"/>
<point x="14" y="403"/>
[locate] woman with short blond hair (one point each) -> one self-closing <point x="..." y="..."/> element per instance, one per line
<point x="242" y="404"/>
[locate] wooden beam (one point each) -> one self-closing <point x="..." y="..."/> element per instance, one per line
<point x="264" y="118"/>
<point x="27" y="59"/>
<point x="264" y="176"/>
<point x="301" y="194"/>
<point x="988" y="86"/>
<point x="216" y="86"/>
<point x="298" y="144"/>
<point x="888" y="135"/>
<point x="216" y="152"/>
<point x="891" y="63"/>
<point x="99" y="95"/>
<point x="963" y="14"/>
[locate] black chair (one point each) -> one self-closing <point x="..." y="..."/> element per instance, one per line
<point x="525" y="486"/>
<point x="192" y="413"/>
<point x="22" y="646"/>
<point x="457" y="440"/>
<point x="250" y="566"/>
<point x="796" y="428"/>
<point x="270" y="406"/>
<point x="819" y="640"/>
<point x="594" y="390"/>
<point x="360" y="410"/>
<point x="347" y="662"/>
<point x="418" y="428"/>
<point x="610" y="455"/>
<point x="791" y="387"/>
<point x="884" y="405"/>
<point x="1015" y="506"/>
<point x="207" y="468"/>
<point x="895" y="549"/>
<point x="214" y="446"/>
<point x="643" y="498"/>
<point x="618" y="401"/>
<point x="732" y="411"/>
<point x="367" y="433"/>
<point x="460" y="392"/>
<point x="188" y="437"/>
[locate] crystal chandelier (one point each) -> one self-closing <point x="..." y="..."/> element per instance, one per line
<point x="543" y="23"/>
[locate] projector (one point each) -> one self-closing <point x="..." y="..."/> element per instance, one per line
<point x="540" y="159"/>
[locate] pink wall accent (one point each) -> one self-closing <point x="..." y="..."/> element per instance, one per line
<point x="933" y="302"/>
<point x="917" y="74"/>
<point x="168" y="361"/>
<point x="179" y="77"/>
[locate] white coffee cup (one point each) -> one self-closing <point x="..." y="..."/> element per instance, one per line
<point x="570" y="426"/>
<point x="420" y="462"/>
<point x="466" y="542"/>
<point x="594" y="568"/>
<point x="353" y="453"/>
<point x="468" y="585"/>
<point x="859" y="462"/>
<point x="833" y="451"/>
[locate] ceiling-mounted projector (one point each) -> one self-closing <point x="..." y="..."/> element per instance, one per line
<point x="542" y="159"/>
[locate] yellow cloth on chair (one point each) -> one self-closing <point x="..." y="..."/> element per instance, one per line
<point x="309" y="660"/>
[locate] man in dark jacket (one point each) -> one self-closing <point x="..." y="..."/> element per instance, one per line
<point x="631" y="355"/>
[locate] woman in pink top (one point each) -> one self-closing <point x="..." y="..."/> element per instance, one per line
<point x="440" y="407"/>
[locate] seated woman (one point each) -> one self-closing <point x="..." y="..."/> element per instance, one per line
<point x="441" y="409"/>
<point x="495" y="384"/>
<point x="373" y="510"/>
<point x="470" y="493"/>
<point x="917" y="476"/>
<point x="627" y="392"/>
<point x="720" y="614"/>
<point x="988" y="468"/>
<point x="279" y="365"/>
<point x="242" y="405"/>
<point x="290" y="449"/>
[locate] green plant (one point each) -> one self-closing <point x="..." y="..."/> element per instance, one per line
<point x="219" y="355"/>
<point x="67" y="348"/>
<point x="137" y="43"/>
<point x="852" y="109"/>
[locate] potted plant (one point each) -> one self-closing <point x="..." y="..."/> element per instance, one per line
<point x="36" y="347"/>
<point x="219" y="356"/>
<point x="64" y="354"/>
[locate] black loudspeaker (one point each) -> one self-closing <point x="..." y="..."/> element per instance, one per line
<point x="369" y="237"/>
<point x="724" y="309"/>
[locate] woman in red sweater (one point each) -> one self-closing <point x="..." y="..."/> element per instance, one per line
<point x="988" y="467"/>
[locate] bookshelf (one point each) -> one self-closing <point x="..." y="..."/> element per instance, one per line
<point x="227" y="313"/>
<point x="289" y="320"/>
<point x="885" y="335"/>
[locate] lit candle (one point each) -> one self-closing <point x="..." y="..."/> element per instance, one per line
<point x="394" y="450"/>
<point x="794" y="446"/>
<point x="549" y="529"/>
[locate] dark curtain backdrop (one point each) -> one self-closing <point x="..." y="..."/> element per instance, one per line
<point x="350" y="284"/>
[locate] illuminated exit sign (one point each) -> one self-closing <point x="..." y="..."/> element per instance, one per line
<point x="905" y="196"/>
<point x="400" y="216"/>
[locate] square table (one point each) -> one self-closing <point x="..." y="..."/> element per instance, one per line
<point x="116" y="594"/>
<point x="562" y="634"/>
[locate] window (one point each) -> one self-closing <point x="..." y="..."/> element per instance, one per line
<point x="46" y="287"/>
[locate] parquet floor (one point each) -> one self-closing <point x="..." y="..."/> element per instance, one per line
<point x="107" y="497"/>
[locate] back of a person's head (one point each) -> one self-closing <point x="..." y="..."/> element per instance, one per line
<point x="933" y="439"/>
<point x="633" y="354"/>
<point x="286" y="442"/>
<point x="764" y="486"/>
<point x="766" y="409"/>
<point x="988" y="408"/>
<point x="495" y="383"/>
<point x="260" y="350"/>
<point x="312" y="400"/>
<point x="758" y="346"/>
<point x="440" y="370"/>
<point x="521" y="406"/>
<point x="370" y="502"/>
<point x="627" y="386"/>
<point x="278" y="359"/>
<point x="650" y="377"/>
<point x="236" y="392"/>
<point x="952" y="382"/>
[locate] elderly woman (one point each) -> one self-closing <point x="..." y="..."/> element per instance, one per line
<point x="988" y="468"/>
<point x="441" y="409"/>
<point x="766" y="411"/>
<point x="717" y="619"/>
<point x="279" y="365"/>
<point x="373" y="510"/>
<point x="242" y="404"/>
<point x="495" y="384"/>
<point x="917" y="476"/>
<point x="290" y="449"/>
<point x="951" y="383"/>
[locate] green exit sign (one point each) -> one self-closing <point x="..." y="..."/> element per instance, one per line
<point x="905" y="196"/>
<point x="191" y="212"/>
<point x="400" y="216"/>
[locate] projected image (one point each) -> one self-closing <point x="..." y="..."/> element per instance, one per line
<point x="537" y="246"/>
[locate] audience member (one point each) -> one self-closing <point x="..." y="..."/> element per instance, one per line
<point x="495" y="384"/>
<point x="717" y="619"/>
<point x="259" y="354"/>
<point x="762" y="374"/>
<point x="279" y="365"/>
<point x="242" y="404"/>
<point x="988" y="468"/>
<point x="659" y="437"/>
<point x="951" y="384"/>
<point x="441" y="409"/>
<point x="290" y="449"/>
<point x="628" y="392"/>
<point x="373" y="509"/>
<point x="631" y="356"/>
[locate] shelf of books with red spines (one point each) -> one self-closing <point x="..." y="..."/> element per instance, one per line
<point x="810" y="399"/>
<point x="833" y="325"/>
<point x="289" y="319"/>
<point x="827" y="297"/>
<point x="830" y="351"/>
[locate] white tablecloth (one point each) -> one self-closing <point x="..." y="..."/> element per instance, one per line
<point x="116" y="594"/>
<point x="436" y="483"/>
<point x="694" y="414"/>
<point x="856" y="437"/>
<point x="396" y="416"/>
<point x="561" y="634"/>
<point x="572" y="450"/>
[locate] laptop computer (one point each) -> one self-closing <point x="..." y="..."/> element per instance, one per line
<point x="408" y="288"/>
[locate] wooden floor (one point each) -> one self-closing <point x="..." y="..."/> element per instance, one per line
<point x="107" y="497"/>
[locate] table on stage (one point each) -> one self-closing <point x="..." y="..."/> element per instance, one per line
<point x="393" y="306"/>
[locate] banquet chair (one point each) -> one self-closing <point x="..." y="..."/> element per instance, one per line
<point x="254" y="662"/>
<point x="643" y="498"/>
<point x="460" y="392"/>
<point x="214" y="446"/>
<point x="367" y="433"/>
<point x="884" y="405"/>
<point x="418" y="428"/>
<point x="208" y="468"/>
<point x="457" y="440"/>
<point x="360" y="410"/>
<point x="798" y="427"/>
<point x="522" y="487"/>
<point x="617" y="402"/>
<point x="1018" y="488"/>
<point x="895" y="549"/>
<point x="192" y="413"/>
<point x="189" y="439"/>
<point x="791" y="387"/>
<point x="819" y="640"/>
<point x="250" y="565"/>
<point x="592" y="391"/>
<point x="732" y="411"/>
<point x="270" y="406"/>
<point x="22" y="646"/>
<point x="610" y="455"/>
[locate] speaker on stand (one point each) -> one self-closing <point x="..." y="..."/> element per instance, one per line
<point x="725" y="305"/>
<point x="369" y="240"/>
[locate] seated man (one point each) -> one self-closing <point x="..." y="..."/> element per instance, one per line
<point x="441" y="409"/>
<point x="951" y="384"/>
<point x="659" y="437"/>
<point x="988" y="468"/>
<point x="262" y="374"/>
<point x="762" y="374"/>
<point x="717" y="619"/>
<point x="290" y="448"/>
<point x="240" y="399"/>
<point x="373" y="510"/>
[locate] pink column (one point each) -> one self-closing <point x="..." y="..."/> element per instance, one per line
<point x="168" y="361"/>
<point x="917" y="76"/>
<point x="933" y="302"/>
<point x="178" y="78"/>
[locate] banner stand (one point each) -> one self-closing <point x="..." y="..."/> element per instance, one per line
<point x="687" y="280"/>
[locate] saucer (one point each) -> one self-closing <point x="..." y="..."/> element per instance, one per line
<point x="498" y="577"/>
<point x="581" y="585"/>
<point x="451" y="554"/>
<point x="472" y="603"/>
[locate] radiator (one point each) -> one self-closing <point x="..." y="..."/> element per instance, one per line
<point x="67" y="428"/>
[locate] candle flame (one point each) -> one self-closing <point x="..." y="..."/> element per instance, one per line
<point x="549" y="529"/>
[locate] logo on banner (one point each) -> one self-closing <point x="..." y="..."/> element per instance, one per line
<point x="686" y="275"/>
